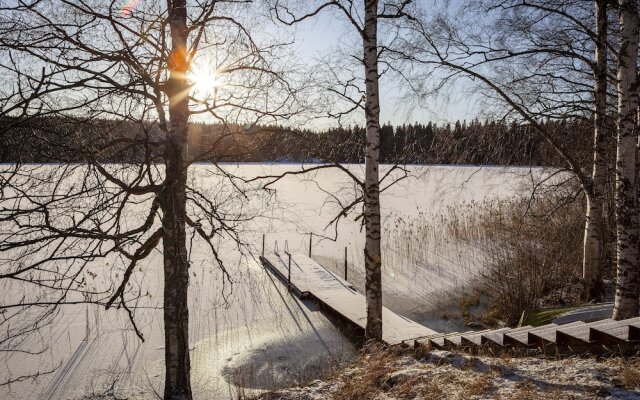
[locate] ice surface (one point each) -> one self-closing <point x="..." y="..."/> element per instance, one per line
<point x="259" y="327"/>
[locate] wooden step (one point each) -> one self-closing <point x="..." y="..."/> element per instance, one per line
<point x="609" y="334"/>
<point x="634" y="332"/>
<point x="477" y="338"/>
<point x="577" y="336"/>
<point x="454" y="340"/>
<point x="429" y="340"/>
<point x="437" y="341"/>
<point x="497" y="337"/>
<point x="578" y="333"/>
<point x="615" y="332"/>
<point x="543" y="337"/>
<point x="521" y="338"/>
<point x="634" y="325"/>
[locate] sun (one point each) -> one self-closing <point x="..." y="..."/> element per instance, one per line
<point x="204" y="80"/>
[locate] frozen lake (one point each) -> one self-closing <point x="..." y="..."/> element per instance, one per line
<point x="257" y="336"/>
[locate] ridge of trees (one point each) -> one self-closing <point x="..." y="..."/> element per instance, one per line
<point x="488" y="142"/>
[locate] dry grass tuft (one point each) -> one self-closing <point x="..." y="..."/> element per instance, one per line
<point x="383" y="373"/>
<point x="376" y="364"/>
<point x="479" y="386"/>
<point x="630" y="374"/>
<point x="380" y="374"/>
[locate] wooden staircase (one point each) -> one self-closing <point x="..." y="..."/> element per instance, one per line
<point x="605" y="334"/>
<point x="307" y="279"/>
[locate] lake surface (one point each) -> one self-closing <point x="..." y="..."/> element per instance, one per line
<point x="253" y="335"/>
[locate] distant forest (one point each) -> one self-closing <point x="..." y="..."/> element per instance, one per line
<point x="46" y="140"/>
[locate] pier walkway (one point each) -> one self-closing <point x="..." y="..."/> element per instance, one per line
<point x="309" y="280"/>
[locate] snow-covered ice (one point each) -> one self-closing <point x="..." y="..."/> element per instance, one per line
<point x="260" y="337"/>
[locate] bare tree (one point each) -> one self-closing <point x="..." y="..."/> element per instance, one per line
<point x="627" y="298"/>
<point x="117" y="83"/>
<point x="593" y="232"/>
<point x="372" y="249"/>
<point x="537" y="60"/>
<point x="363" y="17"/>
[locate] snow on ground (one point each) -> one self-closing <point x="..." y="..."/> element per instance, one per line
<point x="387" y="375"/>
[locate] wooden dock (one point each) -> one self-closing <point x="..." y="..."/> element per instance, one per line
<point x="309" y="280"/>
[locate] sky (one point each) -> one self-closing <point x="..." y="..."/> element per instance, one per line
<point x="323" y="34"/>
<point x="319" y="35"/>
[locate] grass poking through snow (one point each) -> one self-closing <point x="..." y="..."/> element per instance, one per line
<point x="387" y="374"/>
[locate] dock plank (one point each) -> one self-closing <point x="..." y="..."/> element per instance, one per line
<point x="352" y="305"/>
<point x="306" y="274"/>
<point x="310" y="279"/>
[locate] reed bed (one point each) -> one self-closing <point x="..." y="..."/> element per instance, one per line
<point x="493" y="258"/>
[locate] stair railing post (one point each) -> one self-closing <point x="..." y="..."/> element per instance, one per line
<point x="289" y="272"/>
<point x="345" y="263"/>
<point x="310" y="242"/>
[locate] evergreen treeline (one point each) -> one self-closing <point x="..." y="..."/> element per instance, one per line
<point x="479" y="143"/>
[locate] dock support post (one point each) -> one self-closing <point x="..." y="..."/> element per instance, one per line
<point x="289" y="273"/>
<point x="263" y="235"/>
<point x="345" y="263"/>
<point x="310" y="242"/>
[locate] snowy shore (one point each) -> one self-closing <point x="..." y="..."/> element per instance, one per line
<point x="386" y="375"/>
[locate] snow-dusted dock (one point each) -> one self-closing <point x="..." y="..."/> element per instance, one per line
<point x="309" y="280"/>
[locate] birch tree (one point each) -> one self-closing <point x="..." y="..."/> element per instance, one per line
<point x="372" y="249"/>
<point x="627" y="295"/>
<point x="363" y="17"/>
<point x="117" y="81"/>
<point x="368" y="33"/>
<point x="534" y="60"/>
<point x="593" y="231"/>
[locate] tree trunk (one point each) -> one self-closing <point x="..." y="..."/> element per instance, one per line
<point x="372" y="252"/>
<point x="628" y="271"/>
<point x="592" y="246"/>
<point x="176" y="275"/>
<point x="593" y="233"/>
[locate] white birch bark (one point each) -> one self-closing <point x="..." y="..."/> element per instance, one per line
<point x="372" y="251"/>
<point x="593" y="233"/>
<point x="628" y="271"/>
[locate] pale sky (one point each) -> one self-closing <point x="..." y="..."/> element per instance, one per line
<point x="321" y="34"/>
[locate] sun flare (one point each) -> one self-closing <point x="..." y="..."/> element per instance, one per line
<point x="204" y="80"/>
